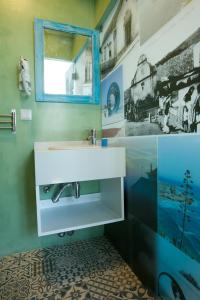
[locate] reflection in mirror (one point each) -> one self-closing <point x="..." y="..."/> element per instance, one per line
<point x="67" y="63"/>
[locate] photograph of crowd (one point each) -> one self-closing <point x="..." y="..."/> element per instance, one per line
<point x="165" y="98"/>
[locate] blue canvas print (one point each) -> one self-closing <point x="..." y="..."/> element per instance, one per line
<point x="112" y="97"/>
<point x="179" y="192"/>
<point x="160" y="238"/>
<point x="135" y="237"/>
<point x="141" y="177"/>
<point x="177" y="273"/>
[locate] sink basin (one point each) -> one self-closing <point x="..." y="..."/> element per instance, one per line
<point x="70" y="147"/>
<point x="57" y="162"/>
<point x="63" y="145"/>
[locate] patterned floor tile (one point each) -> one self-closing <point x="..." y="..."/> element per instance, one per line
<point x="84" y="270"/>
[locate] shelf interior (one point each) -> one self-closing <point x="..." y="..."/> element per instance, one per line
<point x="74" y="217"/>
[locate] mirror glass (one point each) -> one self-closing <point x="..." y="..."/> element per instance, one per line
<point x="67" y="63"/>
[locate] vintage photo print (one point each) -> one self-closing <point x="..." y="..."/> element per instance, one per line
<point x="112" y="98"/>
<point x="118" y="34"/>
<point x="165" y="97"/>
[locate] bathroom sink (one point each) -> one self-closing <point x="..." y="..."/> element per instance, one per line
<point x="63" y="145"/>
<point x="69" y="147"/>
<point x="69" y="161"/>
<point x="67" y="164"/>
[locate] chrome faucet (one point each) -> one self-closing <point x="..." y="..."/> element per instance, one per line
<point x="61" y="187"/>
<point x="93" y="137"/>
<point x="76" y="186"/>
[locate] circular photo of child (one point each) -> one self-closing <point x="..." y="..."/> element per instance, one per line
<point x="113" y="98"/>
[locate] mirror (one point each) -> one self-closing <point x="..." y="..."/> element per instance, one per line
<point x="66" y="63"/>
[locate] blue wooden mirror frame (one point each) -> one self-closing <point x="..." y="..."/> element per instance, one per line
<point x="39" y="27"/>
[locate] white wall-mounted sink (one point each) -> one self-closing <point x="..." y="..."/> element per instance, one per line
<point x="57" y="162"/>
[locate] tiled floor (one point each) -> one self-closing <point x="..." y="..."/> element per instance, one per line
<point x="80" y="271"/>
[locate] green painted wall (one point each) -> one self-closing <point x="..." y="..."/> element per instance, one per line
<point x="58" y="44"/>
<point x="102" y="8"/>
<point x="54" y="121"/>
<point x="79" y="43"/>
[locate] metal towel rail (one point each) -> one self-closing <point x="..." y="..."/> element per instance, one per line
<point x="8" y="119"/>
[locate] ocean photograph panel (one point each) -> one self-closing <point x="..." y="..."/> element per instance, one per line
<point x="177" y="274"/>
<point x="140" y="207"/>
<point x="179" y="192"/>
<point x="141" y="178"/>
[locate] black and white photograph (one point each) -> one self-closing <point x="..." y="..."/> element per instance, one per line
<point x="164" y="98"/>
<point x="118" y="33"/>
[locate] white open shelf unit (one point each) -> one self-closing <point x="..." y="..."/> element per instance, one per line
<point x="89" y="210"/>
<point x="60" y="166"/>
